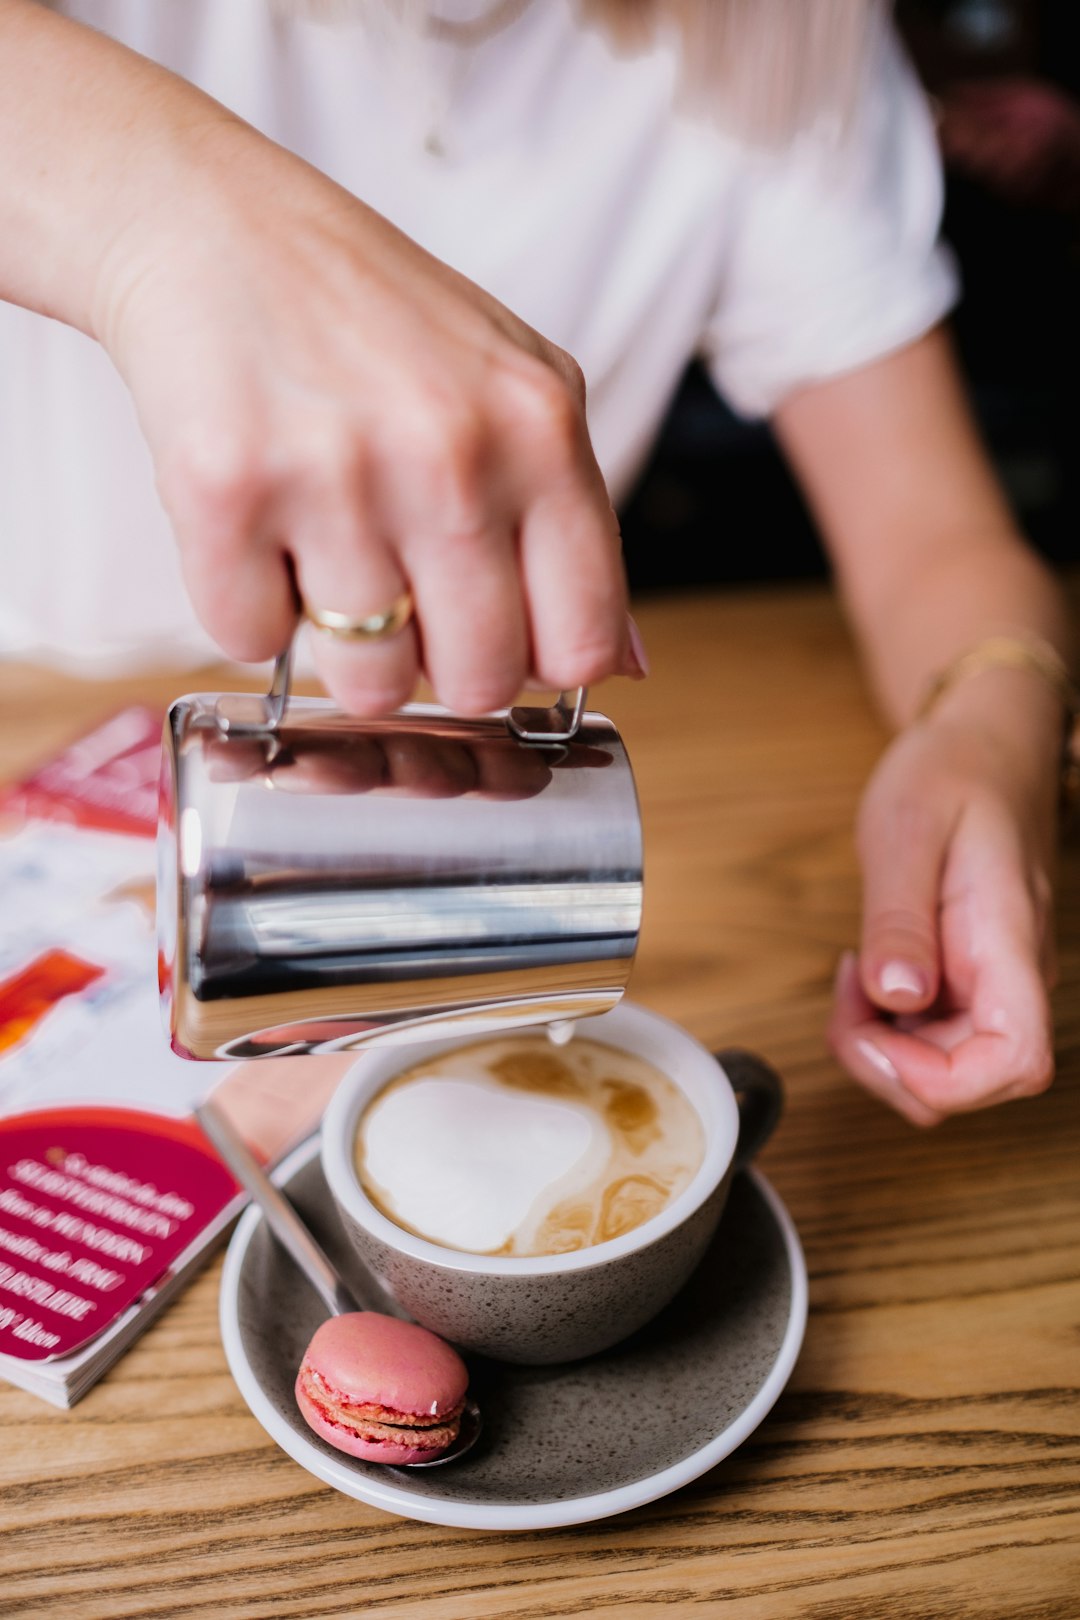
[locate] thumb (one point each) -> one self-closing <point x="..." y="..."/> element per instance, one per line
<point x="903" y="858"/>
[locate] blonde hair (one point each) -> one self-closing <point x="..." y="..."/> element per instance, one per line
<point x="764" y="69"/>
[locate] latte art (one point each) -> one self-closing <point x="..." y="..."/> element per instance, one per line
<point x="515" y="1147"/>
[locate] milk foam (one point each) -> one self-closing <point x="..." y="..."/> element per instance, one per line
<point x="512" y="1146"/>
<point x="462" y="1157"/>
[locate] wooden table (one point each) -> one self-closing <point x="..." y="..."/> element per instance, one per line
<point x="925" y="1460"/>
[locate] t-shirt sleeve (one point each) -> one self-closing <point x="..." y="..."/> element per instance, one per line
<point x="835" y="258"/>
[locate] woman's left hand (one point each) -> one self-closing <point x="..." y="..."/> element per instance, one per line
<point x="945" y="1007"/>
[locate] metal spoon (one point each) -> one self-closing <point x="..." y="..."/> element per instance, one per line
<point x="295" y="1238"/>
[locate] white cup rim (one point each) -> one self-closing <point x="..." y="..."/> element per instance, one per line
<point x="673" y="1049"/>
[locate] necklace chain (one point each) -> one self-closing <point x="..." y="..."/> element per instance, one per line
<point x="419" y="22"/>
<point x="462" y="35"/>
<point x="452" y="31"/>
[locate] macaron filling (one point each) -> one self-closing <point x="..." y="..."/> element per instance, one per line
<point x="372" y="1424"/>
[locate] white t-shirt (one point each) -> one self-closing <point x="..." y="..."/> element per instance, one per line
<point x="631" y="233"/>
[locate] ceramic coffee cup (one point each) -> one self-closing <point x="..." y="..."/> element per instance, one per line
<point x="558" y="1307"/>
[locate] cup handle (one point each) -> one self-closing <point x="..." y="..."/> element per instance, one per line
<point x="759" y="1092"/>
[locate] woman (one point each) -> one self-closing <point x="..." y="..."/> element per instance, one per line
<point x="362" y="415"/>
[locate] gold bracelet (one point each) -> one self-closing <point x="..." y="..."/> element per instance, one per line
<point x="1034" y="654"/>
<point x="1007" y="652"/>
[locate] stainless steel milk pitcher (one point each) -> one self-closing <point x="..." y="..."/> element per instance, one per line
<point x="326" y="882"/>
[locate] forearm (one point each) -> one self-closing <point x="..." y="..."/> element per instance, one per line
<point x="97" y="143"/>
<point x="944" y="1008"/>
<point x="926" y="551"/>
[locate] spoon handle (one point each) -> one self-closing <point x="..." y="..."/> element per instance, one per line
<point x="281" y="1218"/>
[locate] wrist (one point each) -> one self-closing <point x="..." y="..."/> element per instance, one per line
<point x="175" y="214"/>
<point x="1014" y="712"/>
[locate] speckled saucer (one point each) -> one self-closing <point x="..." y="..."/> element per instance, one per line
<point x="564" y="1444"/>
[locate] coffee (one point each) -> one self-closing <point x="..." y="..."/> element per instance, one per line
<point x="515" y="1147"/>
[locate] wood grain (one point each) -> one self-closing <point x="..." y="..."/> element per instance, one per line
<point x="925" y="1459"/>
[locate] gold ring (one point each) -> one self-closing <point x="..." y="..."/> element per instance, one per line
<point x="372" y="627"/>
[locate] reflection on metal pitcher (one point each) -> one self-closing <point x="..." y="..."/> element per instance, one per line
<point x="336" y="881"/>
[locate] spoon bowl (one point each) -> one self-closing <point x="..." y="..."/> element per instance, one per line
<point x="467" y="1436"/>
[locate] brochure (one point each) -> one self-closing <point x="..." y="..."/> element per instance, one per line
<point x="110" y="1194"/>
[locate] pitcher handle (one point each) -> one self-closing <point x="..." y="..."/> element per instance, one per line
<point x="543" y="725"/>
<point x="558" y="724"/>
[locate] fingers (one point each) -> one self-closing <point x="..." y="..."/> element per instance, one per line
<point x="344" y="565"/>
<point x="902" y="851"/>
<point x="236" y="572"/>
<point x="989" y="1039"/>
<point x="993" y="933"/>
<point x="469" y="603"/>
<point x="576" y="593"/>
<point x="498" y="522"/>
<point x="571" y="561"/>
<point x="512" y="546"/>
<point x="982" y="1070"/>
<point x="246" y="601"/>
<point x="854" y="1037"/>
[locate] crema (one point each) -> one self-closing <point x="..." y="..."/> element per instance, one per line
<point x="515" y="1147"/>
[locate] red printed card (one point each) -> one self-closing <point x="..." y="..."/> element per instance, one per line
<point x="95" y="1205"/>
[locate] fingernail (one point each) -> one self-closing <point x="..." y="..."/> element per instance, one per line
<point x="844" y="967"/>
<point x="902" y="978"/>
<point x="877" y="1060"/>
<point x="638" y="657"/>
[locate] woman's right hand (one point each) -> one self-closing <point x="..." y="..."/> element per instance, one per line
<point x="329" y="408"/>
<point x="328" y="404"/>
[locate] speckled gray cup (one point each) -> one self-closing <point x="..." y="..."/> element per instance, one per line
<point x="558" y="1307"/>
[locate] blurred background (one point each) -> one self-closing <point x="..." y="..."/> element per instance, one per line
<point x="1005" y="78"/>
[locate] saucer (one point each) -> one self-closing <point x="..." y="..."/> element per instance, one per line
<point x="564" y="1444"/>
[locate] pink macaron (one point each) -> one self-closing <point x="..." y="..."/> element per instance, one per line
<point x="381" y="1389"/>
